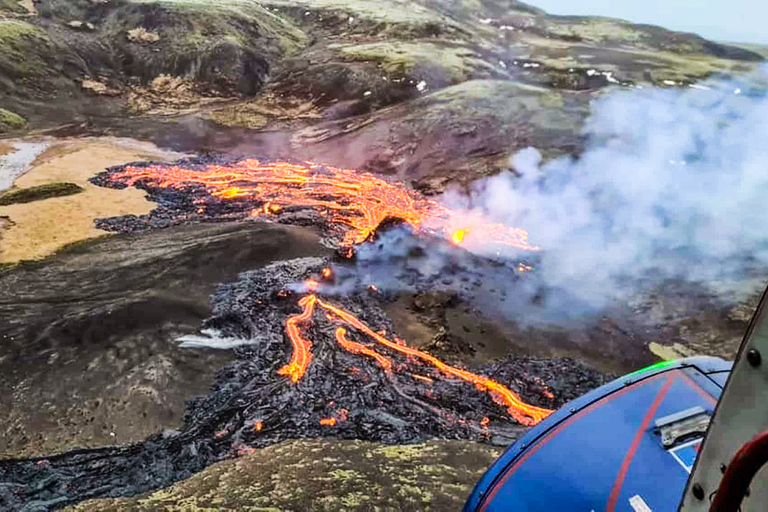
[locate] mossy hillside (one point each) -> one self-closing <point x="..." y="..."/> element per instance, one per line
<point x="455" y="62"/>
<point x="760" y="49"/>
<point x="457" y="134"/>
<point x="25" y="54"/>
<point x="631" y="64"/>
<point x="11" y="7"/>
<point x="480" y="123"/>
<point x="327" y="475"/>
<point x="495" y="99"/>
<point x="237" y="19"/>
<point x="371" y="18"/>
<point x="10" y="121"/>
<point x="229" y="46"/>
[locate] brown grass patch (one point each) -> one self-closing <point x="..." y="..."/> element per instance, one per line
<point x="38" y="229"/>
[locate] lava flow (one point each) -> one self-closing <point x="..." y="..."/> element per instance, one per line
<point x="354" y="201"/>
<point x="301" y="346"/>
<point x="524" y="413"/>
<point x="356" y="204"/>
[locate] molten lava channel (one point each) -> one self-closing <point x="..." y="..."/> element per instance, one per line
<point x="356" y="202"/>
<point x="302" y="347"/>
<point x="524" y="413"/>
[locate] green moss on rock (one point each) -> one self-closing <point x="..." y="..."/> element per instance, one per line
<point x="10" y="121"/>
<point x="12" y="6"/>
<point x="38" y="193"/>
<point x="456" y="62"/>
<point x="327" y="475"/>
<point x="22" y="47"/>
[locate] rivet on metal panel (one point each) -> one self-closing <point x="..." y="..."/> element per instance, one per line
<point x="723" y="467"/>
<point x="754" y="357"/>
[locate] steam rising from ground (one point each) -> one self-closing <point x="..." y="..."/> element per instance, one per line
<point x="673" y="184"/>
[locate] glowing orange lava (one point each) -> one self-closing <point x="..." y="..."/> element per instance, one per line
<point x="422" y="378"/>
<point x="301" y="346"/>
<point x="355" y="201"/>
<point x="524" y="413"/>
<point x="458" y="236"/>
<point x="257" y="426"/>
<point x="357" y="348"/>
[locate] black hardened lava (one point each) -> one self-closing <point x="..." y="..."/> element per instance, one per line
<point x="178" y="206"/>
<point x="251" y="406"/>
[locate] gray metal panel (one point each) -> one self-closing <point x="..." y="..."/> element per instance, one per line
<point x="741" y="414"/>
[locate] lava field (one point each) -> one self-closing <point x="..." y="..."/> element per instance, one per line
<point x="315" y="353"/>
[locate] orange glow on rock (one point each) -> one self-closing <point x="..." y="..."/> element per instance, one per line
<point x="357" y="348"/>
<point x="257" y="426"/>
<point x="329" y="422"/>
<point x="422" y="378"/>
<point x="524" y="413"/>
<point x="458" y="236"/>
<point x="244" y="450"/>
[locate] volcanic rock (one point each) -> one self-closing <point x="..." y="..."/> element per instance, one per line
<point x="334" y="475"/>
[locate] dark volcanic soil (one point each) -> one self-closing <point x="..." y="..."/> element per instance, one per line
<point x="88" y="356"/>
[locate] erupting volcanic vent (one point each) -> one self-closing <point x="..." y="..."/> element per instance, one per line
<point x="316" y="355"/>
<point x="353" y="202"/>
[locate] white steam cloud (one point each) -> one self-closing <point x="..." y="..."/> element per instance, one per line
<point x="673" y="184"/>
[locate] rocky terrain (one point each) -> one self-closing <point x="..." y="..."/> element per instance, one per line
<point x="328" y="475"/>
<point x="427" y="92"/>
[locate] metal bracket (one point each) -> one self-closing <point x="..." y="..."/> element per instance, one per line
<point x="682" y="425"/>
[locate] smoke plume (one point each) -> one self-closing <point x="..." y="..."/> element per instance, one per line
<point x="673" y="184"/>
